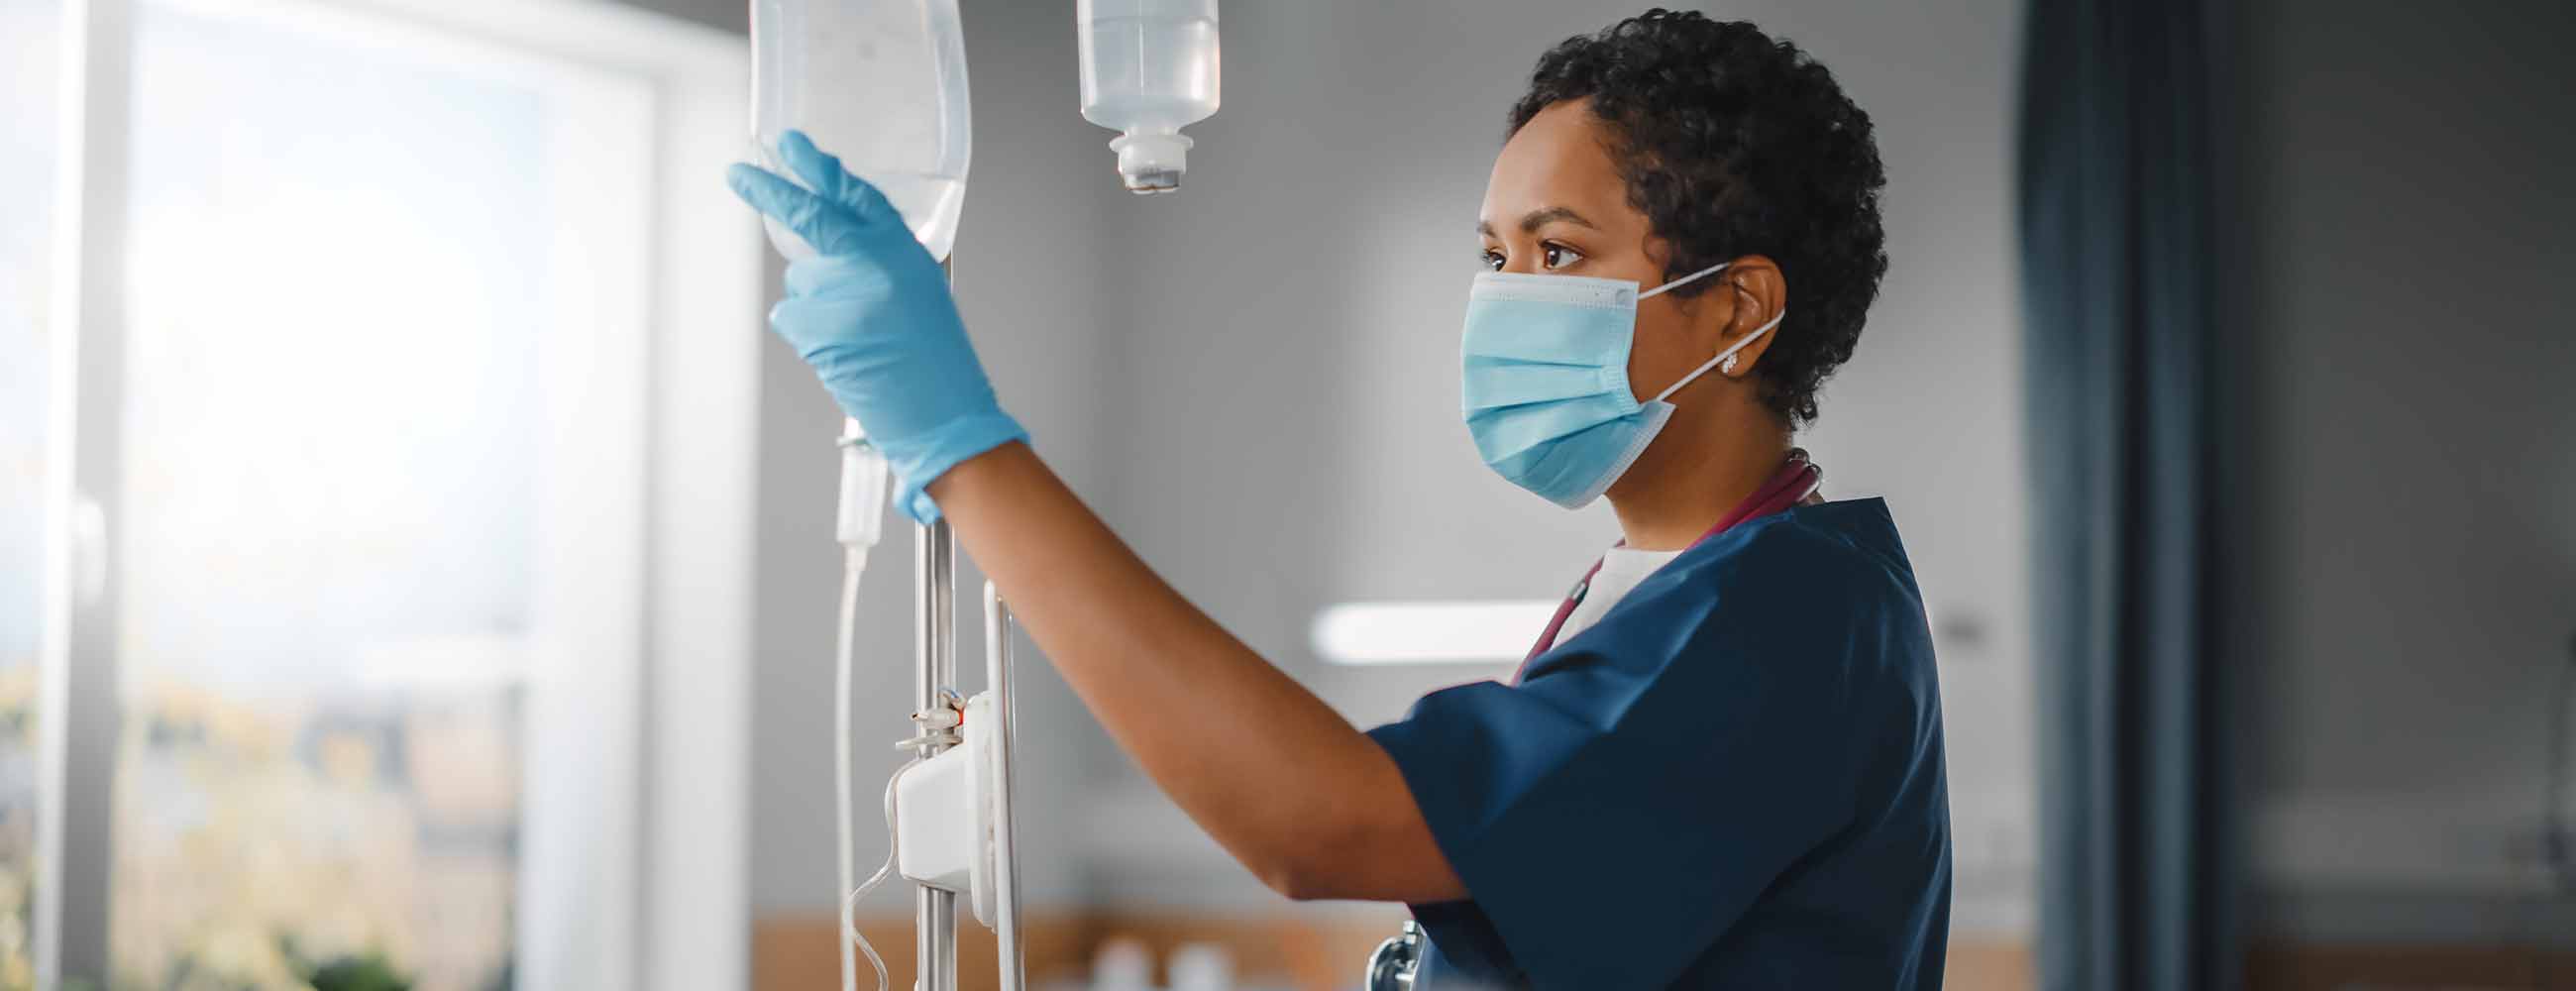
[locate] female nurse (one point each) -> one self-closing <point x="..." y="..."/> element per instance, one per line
<point x="1721" y="765"/>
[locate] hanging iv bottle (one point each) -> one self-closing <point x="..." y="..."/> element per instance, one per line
<point x="880" y="83"/>
<point x="1149" y="68"/>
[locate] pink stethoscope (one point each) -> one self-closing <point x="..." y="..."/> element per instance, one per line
<point x="1795" y="484"/>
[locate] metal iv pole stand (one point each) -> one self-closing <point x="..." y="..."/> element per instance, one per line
<point x="934" y="651"/>
<point x="934" y="654"/>
<point x="934" y="644"/>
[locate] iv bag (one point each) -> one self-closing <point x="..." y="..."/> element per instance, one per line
<point x="880" y="83"/>
<point x="1149" y="68"/>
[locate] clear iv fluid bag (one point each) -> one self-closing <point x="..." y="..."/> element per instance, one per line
<point x="1149" y="68"/>
<point x="880" y="83"/>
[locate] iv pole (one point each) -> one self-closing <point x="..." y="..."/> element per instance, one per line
<point x="935" y="649"/>
<point x="934" y="675"/>
<point x="934" y="646"/>
<point x="934" y="652"/>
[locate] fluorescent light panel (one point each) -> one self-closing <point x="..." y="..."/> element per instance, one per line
<point x="1371" y="633"/>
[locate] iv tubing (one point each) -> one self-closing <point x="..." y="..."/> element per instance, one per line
<point x="863" y="495"/>
<point x="856" y="562"/>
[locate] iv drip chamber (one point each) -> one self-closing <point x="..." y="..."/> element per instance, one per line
<point x="879" y="83"/>
<point x="1149" y="68"/>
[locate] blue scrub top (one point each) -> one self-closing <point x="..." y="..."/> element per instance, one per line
<point x="1734" y="779"/>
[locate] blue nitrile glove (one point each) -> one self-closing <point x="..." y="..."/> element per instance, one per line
<point x="871" y="312"/>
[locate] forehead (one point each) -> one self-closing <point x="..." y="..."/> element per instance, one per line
<point x="1558" y="159"/>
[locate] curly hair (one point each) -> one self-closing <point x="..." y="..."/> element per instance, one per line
<point x="1733" y="143"/>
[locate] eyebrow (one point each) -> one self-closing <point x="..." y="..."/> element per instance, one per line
<point x="1535" y="219"/>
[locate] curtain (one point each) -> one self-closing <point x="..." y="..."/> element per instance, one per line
<point x="2113" y="190"/>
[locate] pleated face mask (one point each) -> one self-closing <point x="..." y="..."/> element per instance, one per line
<point x="1546" y="380"/>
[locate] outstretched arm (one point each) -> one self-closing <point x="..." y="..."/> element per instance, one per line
<point x="1304" y="800"/>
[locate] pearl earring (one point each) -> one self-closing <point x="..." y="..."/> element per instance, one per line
<point x="1726" y="367"/>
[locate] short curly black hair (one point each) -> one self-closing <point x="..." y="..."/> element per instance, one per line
<point x="1734" y="143"/>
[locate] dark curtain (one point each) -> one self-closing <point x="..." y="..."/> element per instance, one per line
<point x="2114" y="196"/>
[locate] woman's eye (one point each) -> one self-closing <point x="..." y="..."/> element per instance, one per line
<point x="1557" y="256"/>
<point x="1493" y="260"/>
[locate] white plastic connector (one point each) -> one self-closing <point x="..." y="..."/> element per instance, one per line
<point x="861" y="521"/>
<point x="941" y="718"/>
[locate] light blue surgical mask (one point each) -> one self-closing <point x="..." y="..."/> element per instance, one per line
<point x="1546" y="380"/>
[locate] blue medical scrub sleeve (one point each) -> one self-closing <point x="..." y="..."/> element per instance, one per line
<point x="1618" y="810"/>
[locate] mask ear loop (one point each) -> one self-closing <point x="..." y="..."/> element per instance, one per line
<point x="1684" y="280"/>
<point x="1722" y="356"/>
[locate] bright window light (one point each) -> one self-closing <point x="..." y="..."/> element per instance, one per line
<point x="1367" y="633"/>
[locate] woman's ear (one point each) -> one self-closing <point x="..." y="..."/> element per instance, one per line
<point x="1759" y="294"/>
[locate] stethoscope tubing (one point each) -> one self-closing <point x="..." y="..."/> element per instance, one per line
<point x="1796" y="482"/>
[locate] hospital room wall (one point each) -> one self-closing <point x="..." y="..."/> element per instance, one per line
<point x="2401" y="476"/>
<point x="1285" y="432"/>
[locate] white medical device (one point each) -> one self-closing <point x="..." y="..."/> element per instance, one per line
<point x="882" y="84"/>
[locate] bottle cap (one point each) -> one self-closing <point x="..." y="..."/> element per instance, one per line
<point x="1152" y="161"/>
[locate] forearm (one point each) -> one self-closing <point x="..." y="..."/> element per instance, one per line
<point x="1275" y="775"/>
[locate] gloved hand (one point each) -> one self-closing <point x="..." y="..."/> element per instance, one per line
<point x="872" y="314"/>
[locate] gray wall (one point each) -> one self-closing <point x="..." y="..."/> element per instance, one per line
<point x="731" y="15"/>
<point x="2403" y="494"/>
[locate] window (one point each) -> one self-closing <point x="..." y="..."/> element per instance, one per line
<point x="333" y="498"/>
<point x="30" y="32"/>
<point x="374" y="409"/>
